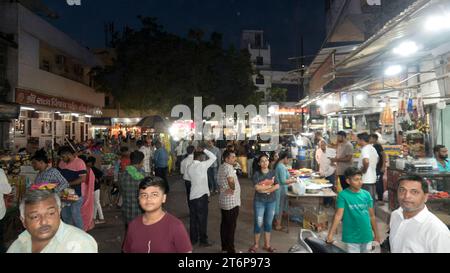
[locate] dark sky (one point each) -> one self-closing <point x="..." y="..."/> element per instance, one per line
<point x="283" y="21"/>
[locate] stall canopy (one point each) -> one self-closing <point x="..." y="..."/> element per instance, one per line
<point x="155" y="122"/>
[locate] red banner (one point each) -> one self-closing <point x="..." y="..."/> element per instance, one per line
<point x="32" y="98"/>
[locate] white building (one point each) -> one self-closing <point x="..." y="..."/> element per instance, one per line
<point x="260" y="53"/>
<point x="49" y="76"/>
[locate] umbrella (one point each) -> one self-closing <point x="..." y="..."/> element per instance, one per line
<point x="155" y="122"/>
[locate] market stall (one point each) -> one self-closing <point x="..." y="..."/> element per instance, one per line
<point x="12" y="165"/>
<point x="308" y="194"/>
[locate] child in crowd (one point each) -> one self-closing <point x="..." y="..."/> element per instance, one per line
<point x="355" y="209"/>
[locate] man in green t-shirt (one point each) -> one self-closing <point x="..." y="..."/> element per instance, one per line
<point x="355" y="209"/>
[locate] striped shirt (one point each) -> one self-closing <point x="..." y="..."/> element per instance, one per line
<point x="129" y="189"/>
<point x="52" y="175"/>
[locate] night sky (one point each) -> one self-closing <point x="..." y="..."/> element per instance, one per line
<point x="283" y="21"/>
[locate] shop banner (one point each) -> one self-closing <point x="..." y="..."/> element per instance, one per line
<point x="28" y="97"/>
<point x="101" y="121"/>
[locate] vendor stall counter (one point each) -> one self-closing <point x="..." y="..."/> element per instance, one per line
<point x="438" y="197"/>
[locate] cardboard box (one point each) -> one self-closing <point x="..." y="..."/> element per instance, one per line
<point x="315" y="217"/>
<point x="314" y="226"/>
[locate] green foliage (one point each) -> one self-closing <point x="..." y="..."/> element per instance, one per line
<point x="156" y="70"/>
<point x="278" y="94"/>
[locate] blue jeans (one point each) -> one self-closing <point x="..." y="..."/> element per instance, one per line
<point x="264" y="213"/>
<point x="212" y="179"/>
<point x="72" y="214"/>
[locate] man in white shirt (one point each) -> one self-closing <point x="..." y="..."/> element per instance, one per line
<point x="181" y="152"/>
<point x="5" y="188"/>
<point x="326" y="168"/>
<point x="413" y="228"/>
<point x="368" y="164"/>
<point x="40" y="212"/>
<point x="143" y="147"/>
<point x="185" y="163"/>
<point x="198" y="172"/>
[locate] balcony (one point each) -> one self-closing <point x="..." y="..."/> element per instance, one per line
<point x="51" y="84"/>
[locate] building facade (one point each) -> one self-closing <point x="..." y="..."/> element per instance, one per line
<point x="49" y="75"/>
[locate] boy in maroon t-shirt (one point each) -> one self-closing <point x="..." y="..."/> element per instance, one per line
<point x="155" y="231"/>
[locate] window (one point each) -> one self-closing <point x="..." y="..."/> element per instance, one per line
<point x="259" y="60"/>
<point x="29" y="127"/>
<point x="258" y="40"/>
<point x="78" y="70"/>
<point x="67" y="128"/>
<point x="259" y="79"/>
<point x="60" y="59"/>
<point x="45" y="65"/>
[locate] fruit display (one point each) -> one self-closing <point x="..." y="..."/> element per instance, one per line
<point x="267" y="182"/>
<point x="439" y="195"/>
<point x="43" y="186"/>
<point x="69" y="195"/>
<point x="11" y="164"/>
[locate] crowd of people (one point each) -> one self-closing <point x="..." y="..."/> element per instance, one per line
<point x="214" y="168"/>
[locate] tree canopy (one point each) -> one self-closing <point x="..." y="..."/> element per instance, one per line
<point x="156" y="70"/>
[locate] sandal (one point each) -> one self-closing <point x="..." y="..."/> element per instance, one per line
<point x="253" y="249"/>
<point x="279" y="228"/>
<point x="270" y="249"/>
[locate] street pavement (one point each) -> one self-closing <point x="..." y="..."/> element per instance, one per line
<point x="110" y="235"/>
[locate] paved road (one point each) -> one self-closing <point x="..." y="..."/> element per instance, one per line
<point x="110" y="235"/>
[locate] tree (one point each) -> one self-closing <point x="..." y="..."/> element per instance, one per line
<point x="157" y="70"/>
<point x="278" y="94"/>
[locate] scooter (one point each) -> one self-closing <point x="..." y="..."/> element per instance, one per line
<point x="309" y="242"/>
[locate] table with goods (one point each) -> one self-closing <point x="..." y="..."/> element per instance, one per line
<point x="308" y="193"/>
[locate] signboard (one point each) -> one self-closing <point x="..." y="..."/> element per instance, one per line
<point x="28" y="97"/>
<point x="9" y="111"/>
<point x="101" y="121"/>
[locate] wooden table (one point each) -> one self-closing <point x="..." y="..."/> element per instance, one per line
<point x="318" y="198"/>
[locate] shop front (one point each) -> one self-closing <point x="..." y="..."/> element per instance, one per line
<point x="45" y="120"/>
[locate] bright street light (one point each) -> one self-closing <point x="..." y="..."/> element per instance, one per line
<point x="406" y="48"/>
<point x="438" y="23"/>
<point x="393" y="70"/>
<point x="27" y="108"/>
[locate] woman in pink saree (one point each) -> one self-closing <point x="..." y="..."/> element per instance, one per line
<point x="87" y="191"/>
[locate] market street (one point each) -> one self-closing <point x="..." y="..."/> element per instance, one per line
<point x="109" y="236"/>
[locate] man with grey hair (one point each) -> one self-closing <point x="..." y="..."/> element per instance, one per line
<point x="45" y="232"/>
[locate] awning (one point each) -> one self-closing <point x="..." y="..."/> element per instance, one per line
<point x="409" y="23"/>
<point x="155" y="122"/>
